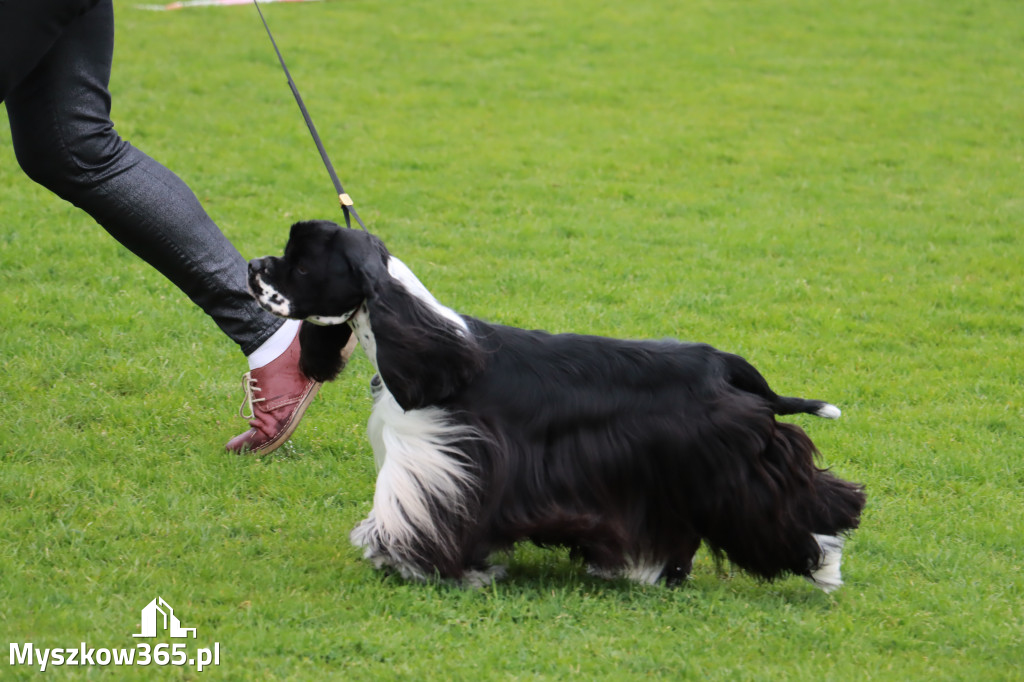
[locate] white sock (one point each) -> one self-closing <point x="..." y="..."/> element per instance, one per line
<point x="273" y="347"/>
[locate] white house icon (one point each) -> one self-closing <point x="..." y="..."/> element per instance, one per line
<point x="170" y="622"/>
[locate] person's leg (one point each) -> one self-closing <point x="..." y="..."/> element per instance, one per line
<point x="28" y="29"/>
<point x="64" y="139"/>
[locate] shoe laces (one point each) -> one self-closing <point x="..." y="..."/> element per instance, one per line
<point x="249" y="386"/>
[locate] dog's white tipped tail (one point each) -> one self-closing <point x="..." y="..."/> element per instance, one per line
<point x="827" y="576"/>
<point x="829" y="411"/>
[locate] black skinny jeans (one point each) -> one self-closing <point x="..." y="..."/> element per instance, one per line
<point x="55" y="58"/>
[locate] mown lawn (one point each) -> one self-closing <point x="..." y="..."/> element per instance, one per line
<point x="832" y="190"/>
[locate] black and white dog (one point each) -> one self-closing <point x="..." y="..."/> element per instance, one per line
<point x="630" y="453"/>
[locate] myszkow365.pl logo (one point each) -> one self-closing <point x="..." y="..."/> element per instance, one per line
<point x="157" y="616"/>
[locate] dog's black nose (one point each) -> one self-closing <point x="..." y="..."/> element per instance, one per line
<point x="256" y="266"/>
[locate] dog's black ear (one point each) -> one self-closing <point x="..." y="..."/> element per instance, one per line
<point x="359" y="255"/>
<point x="423" y="360"/>
<point x="423" y="357"/>
<point x="321" y="356"/>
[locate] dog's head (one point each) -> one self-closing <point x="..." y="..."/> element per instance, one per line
<point x="324" y="276"/>
<point x="423" y="351"/>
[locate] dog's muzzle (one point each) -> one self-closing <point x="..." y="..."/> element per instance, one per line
<point x="269" y="298"/>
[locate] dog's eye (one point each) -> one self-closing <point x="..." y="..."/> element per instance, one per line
<point x="301" y="270"/>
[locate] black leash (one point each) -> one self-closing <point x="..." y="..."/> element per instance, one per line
<point x="346" y="201"/>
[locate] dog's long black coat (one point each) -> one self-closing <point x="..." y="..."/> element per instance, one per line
<point x="631" y="453"/>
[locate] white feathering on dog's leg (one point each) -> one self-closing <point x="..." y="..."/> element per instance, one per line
<point x="827" y="576"/>
<point x="420" y="469"/>
<point x="829" y="411"/>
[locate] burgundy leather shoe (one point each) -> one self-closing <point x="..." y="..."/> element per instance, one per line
<point x="277" y="396"/>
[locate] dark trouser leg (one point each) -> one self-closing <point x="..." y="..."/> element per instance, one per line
<point x="64" y="140"/>
<point x="28" y="29"/>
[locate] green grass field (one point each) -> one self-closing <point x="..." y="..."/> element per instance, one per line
<point x="832" y="190"/>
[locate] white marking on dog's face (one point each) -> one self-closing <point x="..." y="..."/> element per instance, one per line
<point x="271" y="299"/>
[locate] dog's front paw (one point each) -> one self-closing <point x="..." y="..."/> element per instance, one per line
<point x="366" y="536"/>
<point x="365" y="533"/>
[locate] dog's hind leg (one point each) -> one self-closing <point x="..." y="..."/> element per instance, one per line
<point x="838" y="512"/>
<point x="827" y="575"/>
<point x="784" y="515"/>
<point x="680" y="563"/>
